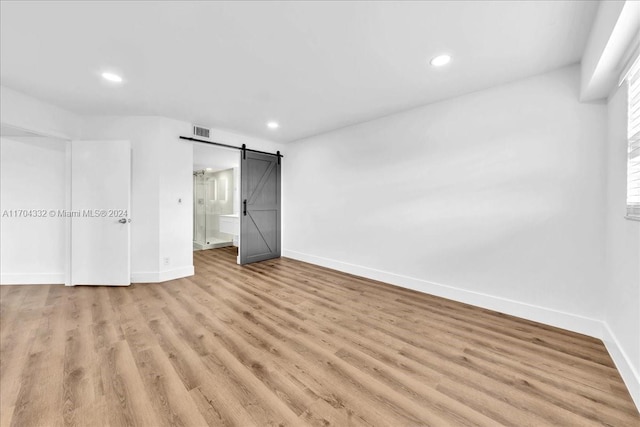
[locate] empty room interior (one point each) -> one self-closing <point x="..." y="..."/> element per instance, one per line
<point x="355" y="213"/>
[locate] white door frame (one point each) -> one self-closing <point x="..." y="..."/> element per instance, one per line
<point x="67" y="221"/>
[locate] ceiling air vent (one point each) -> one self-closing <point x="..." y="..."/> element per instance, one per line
<point x="201" y="132"/>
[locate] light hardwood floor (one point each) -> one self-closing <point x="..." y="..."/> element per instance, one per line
<point x="287" y="343"/>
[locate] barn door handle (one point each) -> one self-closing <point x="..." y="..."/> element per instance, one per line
<point x="244" y="203"/>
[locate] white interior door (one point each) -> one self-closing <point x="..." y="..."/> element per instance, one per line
<point x="100" y="209"/>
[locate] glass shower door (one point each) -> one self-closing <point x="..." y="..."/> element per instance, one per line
<point x="199" y="211"/>
<point x="212" y="197"/>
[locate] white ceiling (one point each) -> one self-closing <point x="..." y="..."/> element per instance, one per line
<point x="312" y="66"/>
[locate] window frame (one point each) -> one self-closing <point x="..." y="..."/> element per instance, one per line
<point x="632" y="78"/>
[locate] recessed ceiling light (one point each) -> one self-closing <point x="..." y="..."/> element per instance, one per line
<point x="273" y="125"/>
<point x="112" y="77"/>
<point x="440" y="60"/>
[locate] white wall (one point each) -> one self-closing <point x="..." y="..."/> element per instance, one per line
<point x="622" y="302"/>
<point x="176" y="200"/>
<point x="24" y="112"/>
<point x="214" y="157"/>
<point x="494" y="198"/>
<point x="228" y="137"/>
<point x="32" y="249"/>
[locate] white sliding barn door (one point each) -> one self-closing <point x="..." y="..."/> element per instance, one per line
<point x="100" y="209"/>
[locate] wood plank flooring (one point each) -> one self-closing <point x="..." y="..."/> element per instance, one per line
<point x="282" y="342"/>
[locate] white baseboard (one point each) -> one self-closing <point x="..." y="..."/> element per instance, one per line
<point x="560" y="319"/>
<point x="176" y="273"/>
<point x="629" y="374"/>
<point x="58" y="278"/>
<point x="162" y="276"/>
<point x="32" y="279"/>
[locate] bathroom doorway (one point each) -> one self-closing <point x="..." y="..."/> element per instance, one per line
<point x="216" y="197"/>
